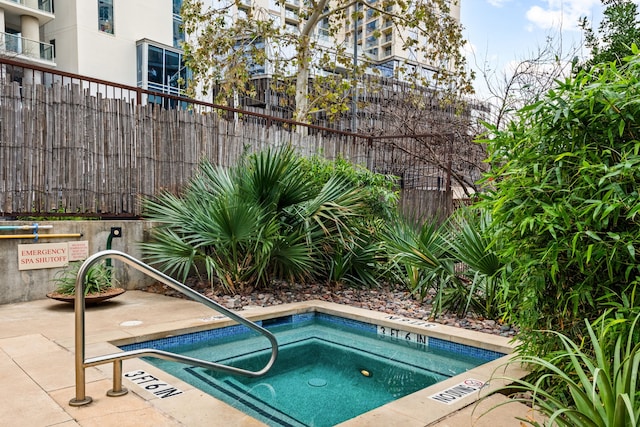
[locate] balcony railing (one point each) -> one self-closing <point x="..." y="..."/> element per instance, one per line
<point x="43" y="5"/>
<point x="29" y="48"/>
<point x="291" y="14"/>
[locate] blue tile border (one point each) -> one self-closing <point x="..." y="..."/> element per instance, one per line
<point x="356" y="325"/>
<point x="463" y="349"/>
<point x="349" y="323"/>
<point x="189" y="338"/>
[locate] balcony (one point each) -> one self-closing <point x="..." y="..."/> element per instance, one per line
<point x="22" y="48"/>
<point x="40" y="9"/>
<point x="372" y="53"/>
<point x="291" y="14"/>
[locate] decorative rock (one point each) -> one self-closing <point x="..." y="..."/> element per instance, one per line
<point x="234" y="303"/>
<point x="385" y="299"/>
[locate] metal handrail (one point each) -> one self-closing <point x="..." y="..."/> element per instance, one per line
<point x="81" y="363"/>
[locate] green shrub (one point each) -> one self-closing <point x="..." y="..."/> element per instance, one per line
<point x="453" y="262"/>
<point x="417" y="258"/>
<point x="468" y="241"/>
<point x="381" y="194"/>
<point x="564" y="197"/>
<point x="269" y="217"/>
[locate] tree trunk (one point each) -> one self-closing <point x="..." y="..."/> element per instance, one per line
<point x="304" y="62"/>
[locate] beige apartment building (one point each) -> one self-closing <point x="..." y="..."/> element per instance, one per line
<point x="21" y="24"/>
<point x="130" y="42"/>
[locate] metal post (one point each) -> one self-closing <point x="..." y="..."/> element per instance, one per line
<point x="81" y="397"/>
<point x="115" y="232"/>
<point x="117" y="389"/>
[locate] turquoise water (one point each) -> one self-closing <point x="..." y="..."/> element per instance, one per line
<point x="326" y="372"/>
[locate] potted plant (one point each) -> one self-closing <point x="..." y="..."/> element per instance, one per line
<point x="99" y="283"/>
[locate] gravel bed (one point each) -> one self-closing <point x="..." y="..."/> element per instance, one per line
<point x="385" y="299"/>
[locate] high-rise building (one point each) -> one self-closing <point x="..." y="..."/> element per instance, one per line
<point x="378" y="40"/>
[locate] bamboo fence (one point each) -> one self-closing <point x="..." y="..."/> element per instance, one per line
<point x="67" y="149"/>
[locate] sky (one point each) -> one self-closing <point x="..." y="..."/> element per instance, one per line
<point x="503" y="31"/>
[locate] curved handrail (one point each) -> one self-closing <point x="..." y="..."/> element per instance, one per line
<point x="81" y="363"/>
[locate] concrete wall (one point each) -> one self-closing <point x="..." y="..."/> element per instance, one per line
<point x="26" y="285"/>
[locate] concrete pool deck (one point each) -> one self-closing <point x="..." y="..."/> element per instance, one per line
<point x="38" y="374"/>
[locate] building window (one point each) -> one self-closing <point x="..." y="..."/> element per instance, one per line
<point x="155" y="69"/>
<point x="178" y="35"/>
<point x="105" y="16"/>
<point x="162" y="70"/>
<point x="372" y="26"/>
<point x="323" y="29"/>
<point x="291" y="27"/>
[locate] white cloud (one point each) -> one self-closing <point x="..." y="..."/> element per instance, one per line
<point x="497" y="3"/>
<point x="561" y="13"/>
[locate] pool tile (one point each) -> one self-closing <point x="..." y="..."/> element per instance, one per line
<point x="464" y="349"/>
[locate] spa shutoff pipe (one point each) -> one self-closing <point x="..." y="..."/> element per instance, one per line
<point x="24" y="227"/>
<point x="35" y="227"/>
<point x="37" y="236"/>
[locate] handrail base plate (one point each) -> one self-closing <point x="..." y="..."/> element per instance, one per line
<point x="121" y="392"/>
<point x="81" y="402"/>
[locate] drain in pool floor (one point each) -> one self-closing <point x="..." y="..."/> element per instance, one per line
<point x="317" y="382"/>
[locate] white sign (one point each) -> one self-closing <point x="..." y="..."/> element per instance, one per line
<point x="43" y="255"/>
<point x="152" y="384"/>
<point x="78" y="250"/>
<point x="458" y="391"/>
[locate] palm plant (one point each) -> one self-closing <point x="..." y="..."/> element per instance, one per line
<point x="470" y="244"/>
<point x="357" y="264"/>
<point x="266" y="218"/>
<point x="418" y="258"/>
<point x="427" y="259"/>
